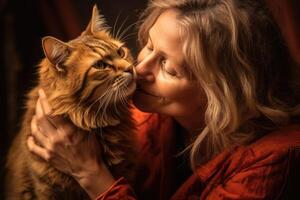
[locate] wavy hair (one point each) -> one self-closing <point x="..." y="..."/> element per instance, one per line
<point x="235" y="51"/>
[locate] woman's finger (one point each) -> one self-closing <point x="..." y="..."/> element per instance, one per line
<point x="34" y="148"/>
<point x="44" y="102"/>
<point x="42" y="121"/>
<point x="47" y="110"/>
<point x="33" y="125"/>
<point x="38" y="135"/>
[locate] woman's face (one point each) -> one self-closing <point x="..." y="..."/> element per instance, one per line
<point x="162" y="85"/>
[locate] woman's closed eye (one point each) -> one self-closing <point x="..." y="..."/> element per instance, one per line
<point x="163" y="61"/>
<point x="170" y="71"/>
<point x="149" y="47"/>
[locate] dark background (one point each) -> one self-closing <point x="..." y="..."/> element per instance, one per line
<point x="24" y="22"/>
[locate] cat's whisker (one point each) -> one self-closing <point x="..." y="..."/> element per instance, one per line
<point x="120" y="28"/>
<point x="115" y="101"/>
<point x="118" y="81"/>
<point x="105" y="104"/>
<point x="117" y="96"/>
<point x="126" y="37"/>
<point x="127" y="29"/>
<point x="115" y="24"/>
<point x="124" y="98"/>
<point x="100" y="107"/>
<point x="101" y="101"/>
<point x="101" y="117"/>
<point x="99" y="98"/>
<point x="84" y="99"/>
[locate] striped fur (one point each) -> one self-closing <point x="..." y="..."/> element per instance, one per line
<point x="89" y="80"/>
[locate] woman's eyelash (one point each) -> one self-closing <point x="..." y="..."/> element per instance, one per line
<point x="162" y="63"/>
<point x="149" y="47"/>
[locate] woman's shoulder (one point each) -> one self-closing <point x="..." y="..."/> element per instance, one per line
<point x="273" y="147"/>
<point x="269" y="164"/>
<point x="277" y="142"/>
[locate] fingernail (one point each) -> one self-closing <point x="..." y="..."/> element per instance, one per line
<point x="38" y="107"/>
<point x="29" y="142"/>
<point x="30" y="138"/>
<point x="42" y="93"/>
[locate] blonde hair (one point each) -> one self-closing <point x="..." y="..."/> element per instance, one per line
<point x="236" y="53"/>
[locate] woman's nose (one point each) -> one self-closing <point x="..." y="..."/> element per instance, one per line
<point x="145" y="71"/>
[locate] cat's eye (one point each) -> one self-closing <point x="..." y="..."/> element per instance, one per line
<point x="122" y="52"/>
<point x="100" y="65"/>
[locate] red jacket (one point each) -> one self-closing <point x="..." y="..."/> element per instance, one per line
<point x="267" y="169"/>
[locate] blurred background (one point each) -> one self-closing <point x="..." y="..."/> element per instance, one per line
<point x="24" y="22"/>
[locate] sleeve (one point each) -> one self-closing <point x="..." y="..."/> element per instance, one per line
<point x="261" y="181"/>
<point x="119" y="190"/>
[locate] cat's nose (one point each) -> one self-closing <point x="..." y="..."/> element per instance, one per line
<point x="129" y="69"/>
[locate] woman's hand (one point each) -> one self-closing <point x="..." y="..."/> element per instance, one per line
<point x="68" y="149"/>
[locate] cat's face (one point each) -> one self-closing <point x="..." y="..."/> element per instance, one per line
<point x="105" y="69"/>
<point x="92" y="74"/>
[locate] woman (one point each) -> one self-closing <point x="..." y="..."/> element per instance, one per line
<point x="218" y="77"/>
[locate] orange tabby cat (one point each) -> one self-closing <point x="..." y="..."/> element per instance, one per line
<point x="89" y="80"/>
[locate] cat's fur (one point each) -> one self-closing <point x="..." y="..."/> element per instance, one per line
<point x="89" y="81"/>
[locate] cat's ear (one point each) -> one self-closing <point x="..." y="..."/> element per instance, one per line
<point x="97" y="23"/>
<point x="56" y="51"/>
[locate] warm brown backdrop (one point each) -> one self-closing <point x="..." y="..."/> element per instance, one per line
<point x="24" y="22"/>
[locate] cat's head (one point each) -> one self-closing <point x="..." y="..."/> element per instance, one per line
<point x="90" y="78"/>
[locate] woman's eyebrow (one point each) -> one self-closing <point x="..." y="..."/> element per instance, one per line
<point x="163" y="53"/>
<point x="159" y="51"/>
